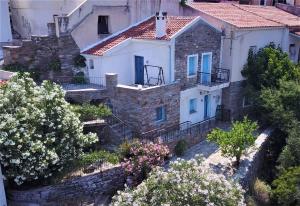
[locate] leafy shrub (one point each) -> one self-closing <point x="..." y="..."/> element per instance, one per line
<point x="54" y="64"/>
<point x="262" y="192"/>
<point x="143" y="157"/>
<point x="287" y="187"/>
<point x="79" y="61"/>
<point x="89" y="112"/>
<point x="90" y="158"/>
<point x="34" y="73"/>
<point x="39" y="132"/>
<point x="79" y="80"/>
<point x="234" y="143"/>
<point x="180" y="147"/>
<point x="185" y="183"/>
<point x="124" y="149"/>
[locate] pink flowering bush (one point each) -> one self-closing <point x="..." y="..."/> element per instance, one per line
<point x="143" y="157"/>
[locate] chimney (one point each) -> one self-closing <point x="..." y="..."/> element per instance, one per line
<point x="160" y="24"/>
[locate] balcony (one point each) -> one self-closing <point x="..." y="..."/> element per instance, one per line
<point x="217" y="79"/>
<point x="84" y="83"/>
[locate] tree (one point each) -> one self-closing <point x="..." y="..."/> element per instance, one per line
<point x="233" y="143"/>
<point x="267" y="67"/>
<point x="185" y="183"/>
<point x="39" y="132"/>
<point x="287" y="187"/>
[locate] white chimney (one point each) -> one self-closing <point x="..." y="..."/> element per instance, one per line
<point x="160" y="24"/>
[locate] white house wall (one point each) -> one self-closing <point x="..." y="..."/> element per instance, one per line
<point x="121" y="61"/>
<point x="235" y="52"/>
<point x="295" y="40"/>
<point x="5" y="29"/>
<point x="187" y="95"/>
<point x="30" y="17"/>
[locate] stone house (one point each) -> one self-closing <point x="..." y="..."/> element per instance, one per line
<point x="253" y="27"/>
<point x="161" y="72"/>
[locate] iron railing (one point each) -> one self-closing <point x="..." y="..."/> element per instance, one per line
<point x="81" y="82"/>
<point x="217" y="76"/>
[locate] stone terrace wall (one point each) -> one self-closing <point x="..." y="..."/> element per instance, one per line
<point x="38" y="53"/>
<point x="81" y="188"/>
<point x="252" y="163"/>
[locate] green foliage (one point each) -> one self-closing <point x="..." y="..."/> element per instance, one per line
<point x="290" y="156"/>
<point x="267" y="67"/>
<point x="34" y="73"/>
<point x="262" y="192"/>
<point x="54" y="64"/>
<point x="233" y="143"/>
<point x="185" y="183"/>
<point x="90" y="158"/>
<point x="39" y="132"/>
<point x="180" y="147"/>
<point x="124" y="149"/>
<point x="79" y="61"/>
<point x="79" y="80"/>
<point x="183" y="2"/>
<point x="90" y="112"/>
<point x="287" y="187"/>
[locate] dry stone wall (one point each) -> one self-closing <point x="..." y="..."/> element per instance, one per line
<point x="75" y="190"/>
<point x="40" y="52"/>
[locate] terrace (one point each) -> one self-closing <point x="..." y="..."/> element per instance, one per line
<point x="217" y="79"/>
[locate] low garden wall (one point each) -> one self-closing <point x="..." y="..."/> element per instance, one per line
<point x="72" y="192"/>
<point x="252" y="163"/>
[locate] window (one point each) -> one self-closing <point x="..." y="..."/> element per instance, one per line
<point x="103" y="25"/>
<point x="193" y="106"/>
<point x="160" y="113"/>
<point x="253" y="48"/>
<point x="247" y="101"/>
<point x="292" y="50"/>
<point x="91" y="64"/>
<point x="192" y="65"/>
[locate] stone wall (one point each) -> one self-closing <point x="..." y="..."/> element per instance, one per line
<point x="198" y="39"/>
<point x="86" y="95"/>
<point x="232" y="99"/>
<point x="252" y="163"/>
<point x="39" y="52"/>
<point x="137" y="106"/>
<point x="72" y="191"/>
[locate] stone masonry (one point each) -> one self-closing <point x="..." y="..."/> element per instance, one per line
<point x="137" y="106"/>
<point x="77" y="189"/>
<point x="40" y="51"/>
<point x="198" y="39"/>
<point x="232" y="99"/>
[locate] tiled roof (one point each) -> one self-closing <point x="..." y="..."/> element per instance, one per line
<point x="297" y="33"/>
<point x="248" y="16"/>
<point x="144" y="30"/>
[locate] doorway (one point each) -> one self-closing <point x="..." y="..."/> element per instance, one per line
<point x="139" y="69"/>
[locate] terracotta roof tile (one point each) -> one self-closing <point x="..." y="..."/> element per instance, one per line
<point x="144" y="30"/>
<point x="248" y="16"/>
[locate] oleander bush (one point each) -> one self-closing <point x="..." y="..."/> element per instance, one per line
<point x="185" y="183"/>
<point x="90" y="112"/>
<point x="143" y="157"/>
<point x="262" y="192"/>
<point x="39" y="132"/>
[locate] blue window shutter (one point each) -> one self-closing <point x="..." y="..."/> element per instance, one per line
<point x="193" y="106"/>
<point x="192" y="65"/>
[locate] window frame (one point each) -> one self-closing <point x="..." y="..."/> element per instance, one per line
<point x="163" y="114"/>
<point x="195" y="102"/>
<point x="188" y="65"/>
<point x="106" y="18"/>
<point x="250" y="103"/>
<point x="91" y="64"/>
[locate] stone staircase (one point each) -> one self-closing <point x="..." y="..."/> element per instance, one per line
<point x="116" y="132"/>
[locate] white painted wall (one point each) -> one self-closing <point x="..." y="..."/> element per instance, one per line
<point x="2" y="191"/>
<point x="120" y="60"/>
<point x="235" y="50"/>
<point x="295" y="40"/>
<point x="186" y="95"/>
<point x="5" y="29"/>
<point x="30" y="17"/>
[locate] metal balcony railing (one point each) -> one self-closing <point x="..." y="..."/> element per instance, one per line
<point x="217" y="76"/>
<point x="80" y="82"/>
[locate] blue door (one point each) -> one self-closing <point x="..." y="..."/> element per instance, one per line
<point x="139" y="70"/>
<point x="206" y="106"/>
<point x="206" y="69"/>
